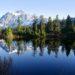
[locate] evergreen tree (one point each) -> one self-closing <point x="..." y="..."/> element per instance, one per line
<point x="74" y="26"/>
<point x="68" y="22"/>
<point x="49" y="25"/>
<point x="62" y="24"/>
<point x="9" y="32"/>
<point x="0" y="29"/>
<point x="34" y="27"/>
<point x="42" y="26"/>
<point x="56" y="25"/>
<point x="19" y="25"/>
<point x="28" y="30"/>
<point x="68" y="27"/>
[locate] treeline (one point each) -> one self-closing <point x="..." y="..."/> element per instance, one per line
<point x="43" y="28"/>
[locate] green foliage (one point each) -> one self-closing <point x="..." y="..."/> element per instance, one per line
<point x="50" y="25"/>
<point x="9" y="32"/>
<point x="0" y="29"/>
<point x="34" y="27"/>
<point x="43" y="28"/>
<point x="68" y="29"/>
<point x="74" y="26"/>
<point x="56" y="24"/>
<point x="28" y="30"/>
<point x="19" y="25"/>
<point x="62" y="23"/>
<point x="9" y="41"/>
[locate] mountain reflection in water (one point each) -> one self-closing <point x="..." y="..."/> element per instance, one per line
<point x="55" y="57"/>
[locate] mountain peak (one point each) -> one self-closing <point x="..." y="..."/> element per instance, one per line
<point x="19" y="12"/>
<point x="10" y="18"/>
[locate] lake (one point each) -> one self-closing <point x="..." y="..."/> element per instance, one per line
<point x="37" y="57"/>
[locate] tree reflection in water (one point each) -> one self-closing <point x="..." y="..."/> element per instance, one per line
<point x="5" y="66"/>
<point x="36" y="46"/>
<point x="52" y="45"/>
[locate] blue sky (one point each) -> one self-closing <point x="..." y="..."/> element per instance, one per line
<point x="40" y="7"/>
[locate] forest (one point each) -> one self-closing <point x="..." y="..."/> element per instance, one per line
<point x="64" y="28"/>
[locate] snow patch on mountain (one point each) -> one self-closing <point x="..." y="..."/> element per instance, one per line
<point x="11" y="19"/>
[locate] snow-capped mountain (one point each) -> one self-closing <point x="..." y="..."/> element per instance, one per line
<point x="12" y="19"/>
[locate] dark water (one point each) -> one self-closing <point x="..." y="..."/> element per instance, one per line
<point x="37" y="57"/>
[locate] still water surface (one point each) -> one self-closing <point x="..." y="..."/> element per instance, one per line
<point x="37" y="57"/>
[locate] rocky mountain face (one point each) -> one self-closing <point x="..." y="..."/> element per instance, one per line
<point x="12" y="19"/>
